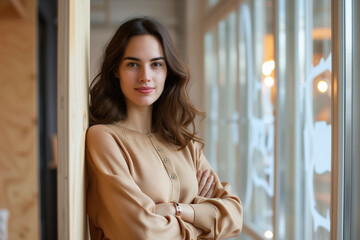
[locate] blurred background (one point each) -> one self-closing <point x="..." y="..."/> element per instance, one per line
<point x="261" y="69"/>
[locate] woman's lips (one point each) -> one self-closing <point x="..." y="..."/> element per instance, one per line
<point x="144" y="89"/>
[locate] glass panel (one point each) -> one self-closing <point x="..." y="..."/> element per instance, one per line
<point x="227" y="123"/>
<point x="257" y="98"/>
<point x="317" y="120"/>
<point x="220" y="73"/>
<point x="222" y="83"/>
<point x="244" y="236"/>
<point x="241" y="96"/>
<point x="245" y="72"/>
<point x="211" y="75"/>
<point x="240" y="104"/>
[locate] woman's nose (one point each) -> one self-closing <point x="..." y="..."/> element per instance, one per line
<point x="144" y="75"/>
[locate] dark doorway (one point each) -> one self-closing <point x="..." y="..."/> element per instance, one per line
<point x="47" y="88"/>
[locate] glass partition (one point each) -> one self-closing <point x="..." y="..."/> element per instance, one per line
<point x="212" y="96"/>
<point x="244" y="101"/>
<point x="257" y="101"/>
<point x="317" y="119"/>
<point x="272" y="108"/>
<point x="241" y="95"/>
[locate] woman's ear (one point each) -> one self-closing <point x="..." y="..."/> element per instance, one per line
<point x="116" y="74"/>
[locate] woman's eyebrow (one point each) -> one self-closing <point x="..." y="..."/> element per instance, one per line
<point x="157" y="59"/>
<point x="131" y="58"/>
<point x="137" y="59"/>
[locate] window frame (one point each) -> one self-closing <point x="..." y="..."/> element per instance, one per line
<point x="344" y="154"/>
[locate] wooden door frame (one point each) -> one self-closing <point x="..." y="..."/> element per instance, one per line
<point x="73" y="75"/>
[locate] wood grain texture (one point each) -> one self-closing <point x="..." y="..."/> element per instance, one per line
<point x="19" y="174"/>
<point x="73" y="78"/>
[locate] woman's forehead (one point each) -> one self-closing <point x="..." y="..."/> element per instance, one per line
<point x="143" y="45"/>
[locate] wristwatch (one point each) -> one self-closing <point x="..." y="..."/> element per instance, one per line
<point x="177" y="209"/>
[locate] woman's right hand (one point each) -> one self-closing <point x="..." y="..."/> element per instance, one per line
<point x="206" y="183"/>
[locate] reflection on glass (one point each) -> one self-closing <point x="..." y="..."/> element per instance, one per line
<point x="322" y="86"/>
<point x="269" y="82"/>
<point x="241" y="87"/>
<point x="240" y="103"/>
<point x="268" y="234"/>
<point x="317" y="123"/>
<point x="268" y="67"/>
<point x="260" y="99"/>
<point x="211" y="98"/>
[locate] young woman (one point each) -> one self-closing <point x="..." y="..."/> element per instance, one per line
<point x="147" y="175"/>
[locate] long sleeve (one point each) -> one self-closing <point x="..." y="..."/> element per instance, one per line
<point x="117" y="207"/>
<point x="222" y="215"/>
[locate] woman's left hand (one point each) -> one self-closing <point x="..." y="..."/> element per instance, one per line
<point x="206" y="183"/>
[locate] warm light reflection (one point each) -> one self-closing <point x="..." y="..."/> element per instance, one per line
<point x="268" y="67"/>
<point x="321" y="33"/>
<point x="268" y="234"/>
<point x="269" y="81"/>
<point x="322" y="86"/>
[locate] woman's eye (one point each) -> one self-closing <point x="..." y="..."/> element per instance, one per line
<point x="157" y="64"/>
<point x="132" y="64"/>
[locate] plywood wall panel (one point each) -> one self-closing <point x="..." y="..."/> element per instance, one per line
<point x="19" y="174"/>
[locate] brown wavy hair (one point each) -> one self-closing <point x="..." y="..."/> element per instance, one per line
<point x="173" y="113"/>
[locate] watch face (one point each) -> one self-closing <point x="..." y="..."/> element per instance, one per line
<point x="177" y="209"/>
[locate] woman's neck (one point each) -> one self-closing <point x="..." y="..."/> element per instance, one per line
<point x="138" y="119"/>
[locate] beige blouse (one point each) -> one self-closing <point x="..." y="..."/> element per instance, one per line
<point x="129" y="172"/>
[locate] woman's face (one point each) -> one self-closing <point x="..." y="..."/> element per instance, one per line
<point x="142" y="71"/>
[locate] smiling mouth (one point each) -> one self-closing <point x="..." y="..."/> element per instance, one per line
<point x="145" y="89"/>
